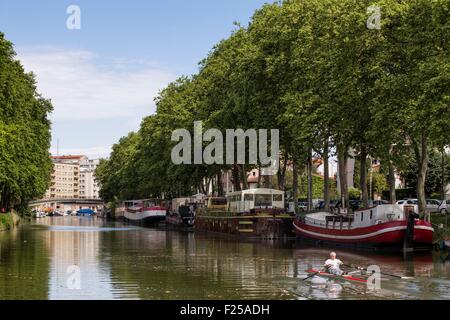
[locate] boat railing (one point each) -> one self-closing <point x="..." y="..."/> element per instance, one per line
<point x="331" y="222"/>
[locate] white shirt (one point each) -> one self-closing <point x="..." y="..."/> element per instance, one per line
<point x="333" y="264"/>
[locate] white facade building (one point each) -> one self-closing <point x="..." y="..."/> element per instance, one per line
<point x="64" y="181"/>
<point x="73" y="178"/>
<point x="88" y="185"/>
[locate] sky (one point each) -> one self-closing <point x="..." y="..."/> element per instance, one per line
<point x="102" y="78"/>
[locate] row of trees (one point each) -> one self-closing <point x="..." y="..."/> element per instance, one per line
<point x="315" y="71"/>
<point x="25" y="163"/>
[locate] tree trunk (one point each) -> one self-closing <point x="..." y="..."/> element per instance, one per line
<point x="281" y="175"/>
<point x="326" y="178"/>
<point x="342" y="164"/>
<point x="259" y="176"/>
<point x="422" y="174"/>
<point x="208" y="184"/>
<point x="236" y="178"/>
<point x="201" y="188"/>
<point x="220" y="185"/>
<point x="363" y="177"/>
<point x="6" y="201"/>
<point x="243" y="177"/>
<point x="443" y="174"/>
<point x="295" y="185"/>
<point x="310" y="184"/>
<point x="392" y="195"/>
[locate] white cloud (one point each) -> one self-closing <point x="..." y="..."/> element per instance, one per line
<point x="82" y="88"/>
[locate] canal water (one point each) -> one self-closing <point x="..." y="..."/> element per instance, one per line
<point x="88" y="258"/>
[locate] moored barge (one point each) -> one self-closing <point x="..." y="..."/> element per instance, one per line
<point x="253" y="213"/>
<point x="381" y="227"/>
<point x="181" y="215"/>
<point x="143" y="212"/>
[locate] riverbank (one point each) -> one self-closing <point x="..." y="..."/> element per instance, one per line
<point x="8" y="221"/>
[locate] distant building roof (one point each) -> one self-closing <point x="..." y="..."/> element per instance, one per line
<point x="67" y="157"/>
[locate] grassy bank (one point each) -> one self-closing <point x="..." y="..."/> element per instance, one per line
<point x="8" y="221"/>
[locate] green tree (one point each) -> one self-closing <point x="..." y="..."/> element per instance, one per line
<point x="25" y="163"/>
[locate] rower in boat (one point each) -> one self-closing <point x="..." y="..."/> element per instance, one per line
<point x="333" y="265"/>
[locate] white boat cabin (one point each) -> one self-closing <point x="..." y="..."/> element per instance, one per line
<point x="140" y="204"/>
<point x="186" y="201"/>
<point x="360" y="219"/>
<point x="379" y="214"/>
<point x="247" y="200"/>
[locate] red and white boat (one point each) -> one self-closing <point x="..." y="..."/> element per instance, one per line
<point x="144" y="212"/>
<point x="381" y="226"/>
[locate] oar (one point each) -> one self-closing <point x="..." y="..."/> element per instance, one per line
<point x="311" y="275"/>
<point x="383" y="273"/>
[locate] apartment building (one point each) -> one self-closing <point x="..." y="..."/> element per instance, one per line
<point x="73" y="178"/>
<point x="64" y="181"/>
<point x="89" y="188"/>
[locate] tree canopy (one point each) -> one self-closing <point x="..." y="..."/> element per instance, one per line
<point x="25" y="163"/>
<point x="315" y="71"/>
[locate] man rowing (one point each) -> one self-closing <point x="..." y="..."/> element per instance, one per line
<point x="333" y="264"/>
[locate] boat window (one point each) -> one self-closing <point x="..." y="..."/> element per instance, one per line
<point x="362" y="216"/>
<point x="371" y="214"/>
<point x="278" y="197"/>
<point x="263" y="200"/>
<point x="249" y="197"/>
<point x="219" y="201"/>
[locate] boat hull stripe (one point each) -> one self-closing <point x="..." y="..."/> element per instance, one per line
<point x="362" y="236"/>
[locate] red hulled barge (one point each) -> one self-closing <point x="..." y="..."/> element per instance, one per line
<point x="381" y="227"/>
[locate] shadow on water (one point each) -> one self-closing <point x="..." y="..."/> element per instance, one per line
<point x="124" y="262"/>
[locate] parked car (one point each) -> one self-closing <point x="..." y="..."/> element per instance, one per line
<point x="444" y="207"/>
<point x="317" y="203"/>
<point x="355" y="204"/>
<point x="335" y="204"/>
<point x="433" y="205"/>
<point x="303" y="206"/>
<point x="409" y="202"/>
<point x="378" y="202"/>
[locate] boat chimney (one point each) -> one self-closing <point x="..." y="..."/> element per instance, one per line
<point x="410" y="216"/>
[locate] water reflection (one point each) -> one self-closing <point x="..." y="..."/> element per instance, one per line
<point x="119" y="261"/>
<point x="24" y="266"/>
